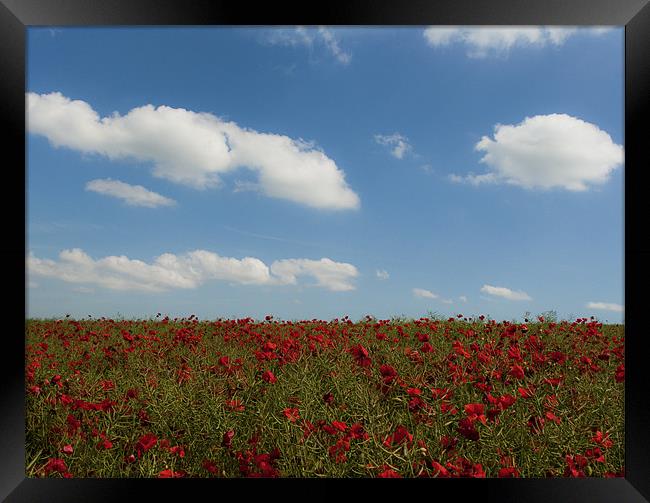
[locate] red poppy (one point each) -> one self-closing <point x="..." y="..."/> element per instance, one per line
<point x="340" y="425"/>
<point x="328" y="398"/>
<point x="171" y="474"/>
<point x="146" y="442"/>
<point x="603" y="440"/>
<point x="55" y="465"/>
<point x="360" y="354"/>
<point x="467" y="429"/>
<point x="508" y="472"/>
<point x="357" y="432"/>
<point x="389" y="473"/>
<point x="178" y="449"/>
<point x="292" y="414"/>
<point x="620" y="373"/>
<point x="506" y="401"/>
<point x="517" y="372"/>
<point x="210" y="466"/>
<point x="269" y="377"/>
<point x="526" y="392"/>
<point x="227" y="438"/>
<point x="553" y="417"/>
<point x="67" y="449"/>
<point x="400" y="435"/>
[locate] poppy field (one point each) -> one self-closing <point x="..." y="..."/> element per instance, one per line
<point x="457" y="397"/>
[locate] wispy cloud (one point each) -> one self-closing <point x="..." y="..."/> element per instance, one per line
<point x="133" y="195"/>
<point x="485" y="41"/>
<point x="398" y="144"/>
<point x="381" y="274"/>
<point x="506" y="293"/>
<point x="310" y="37"/>
<point x="606" y="306"/>
<point x="424" y="294"/>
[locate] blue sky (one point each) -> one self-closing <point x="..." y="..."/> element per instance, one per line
<point x="318" y="172"/>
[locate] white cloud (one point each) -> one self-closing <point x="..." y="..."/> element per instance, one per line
<point x="463" y="298"/>
<point x="399" y="144"/>
<point x="333" y="45"/>
<point x="381" y="274"/>
<point x="506" y="293"/>
<point x="190" y="270"/>
<point x="545" y="152"/>
<point x="447" y="301"/>
<point x="484" y="41"/>
<point x="605" y="306"/>
<point x="194" y="149"/>
<point x="133" y="195"/>
<point x="425" y="294"/>
<point x="332" y="275"/>
<point x="83" y="289"/>
<point x="308" y="37"/>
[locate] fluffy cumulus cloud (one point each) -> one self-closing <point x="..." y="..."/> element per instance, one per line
<point x="332" y="275"/>
<point x="424" y="294"/>
<point x="381" y="274"/>
<point x="190" y="270"/>
<point x="506" y="293"/>
<point x="309" y="37"/>
<point x="398" y="144"/>
<point x="545" y="152"/>
<point x="484" y="41"/>
<point x="605" y="306"/>
<point x="194" y="149"/>
<point x="133" y="195"/>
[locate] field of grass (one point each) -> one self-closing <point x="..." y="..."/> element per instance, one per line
<point x="372" y="398"/>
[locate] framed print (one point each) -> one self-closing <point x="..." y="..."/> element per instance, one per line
<point x="343" y="242"/>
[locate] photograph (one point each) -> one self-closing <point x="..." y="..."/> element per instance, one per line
<point x="313" y="251"/>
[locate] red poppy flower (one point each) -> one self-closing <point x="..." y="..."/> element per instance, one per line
<point x="171" y="474"/>
<point x="389" y="473"/>
<point x="357" y="432"/>
<point x="526" y="392"/>
<point x="328" y="398"/>
<point x="292" y="414"/>
<point x="553" y="417"/>
<point x="227" y="438"/>
<point x="360" y="354"/>
<point x="210" y="466"/>
<point x="67" y="449"/>
<point x="620" y="373"/>
<point x="178" y="449"/>
<point x="508" y="472"/>
<point x="506" y="401"/>
<point x="517" y="372"/>
<point x="400" y="435"/>
<point x="146" y="442"/>
<point x="427" y="348"/>
<point x="466" y="428"/>
<point x="269" y="377"/>
<point x="603" y="440"/>
<point x="388" y="373"/>
<point x="340" y="425"/>
<point x="55" y="465"/>
<point x="236" y="405"/>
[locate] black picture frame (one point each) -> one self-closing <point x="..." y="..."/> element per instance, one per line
<point x="17" y="15"/>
